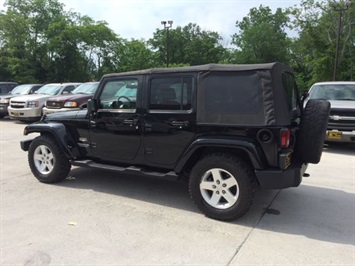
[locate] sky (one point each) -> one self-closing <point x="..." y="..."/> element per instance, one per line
<point x="140" y="18"/>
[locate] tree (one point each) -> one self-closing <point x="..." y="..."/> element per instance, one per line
<point x="40" y="42"/>
<point x="262" y="37"/>
<point x="188" y="46"/>
<point x="314" y="49"/>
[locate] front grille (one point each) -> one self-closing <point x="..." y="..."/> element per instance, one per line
<point x="342" y="119"/>
<point x="350" y="112"/>
<point x="54" y="105"/>
<point x="18" y="104"/>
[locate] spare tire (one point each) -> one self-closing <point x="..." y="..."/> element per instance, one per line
<point x="312" y="131"/>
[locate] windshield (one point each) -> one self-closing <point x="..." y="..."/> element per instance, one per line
<point x="22" y="89"/>
<point x="86" y="88"/>
<point x="49" y="89"/>
<point x="339" y="92"/>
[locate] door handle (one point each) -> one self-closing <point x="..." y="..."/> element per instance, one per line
<point x="130" y="122"/>
<point x="148" y="127"/>
<point x="92" y="124"/>
<point x="179" y="123"/>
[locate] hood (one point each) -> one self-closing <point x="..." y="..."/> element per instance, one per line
<point x="71" y="97"/>
<point x="65" y="116"/>
<point x="342" y="104"/>
<point x="8" y="96"/>
<point x="31" y="97"/>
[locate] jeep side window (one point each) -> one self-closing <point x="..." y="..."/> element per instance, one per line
<point x="174" y="93"/>
<point x="119" y="94"/>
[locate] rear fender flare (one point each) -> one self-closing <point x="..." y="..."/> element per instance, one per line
<point x="254" y="152"/>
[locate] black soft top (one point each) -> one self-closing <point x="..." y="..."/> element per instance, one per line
<point x="238" y="95"/>
<point x="206" y="68"/>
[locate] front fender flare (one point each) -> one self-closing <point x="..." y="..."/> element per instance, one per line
<point x="59" y="132"/>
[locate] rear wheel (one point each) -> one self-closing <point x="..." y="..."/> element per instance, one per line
<point x="47" y="161"/>
<point x="312" y="132"/>
<point x="222" y="186"/>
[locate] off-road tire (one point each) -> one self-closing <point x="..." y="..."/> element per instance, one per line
<point x="229" y="166"/>
<point x="47" y="161"/>
<point x="312" y="131"/>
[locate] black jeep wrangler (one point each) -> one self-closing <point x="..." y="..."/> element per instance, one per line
<point x="225" y="128"/>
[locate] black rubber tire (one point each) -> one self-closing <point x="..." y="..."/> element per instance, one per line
<point x="312" y="131"/>
<point x="242" y="173"/>
<point x="2" y="116"/>
<point x="61" y="165"/>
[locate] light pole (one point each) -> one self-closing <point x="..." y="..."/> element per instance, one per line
<point x="340" y="9"/>
<point x="167" y="25"/>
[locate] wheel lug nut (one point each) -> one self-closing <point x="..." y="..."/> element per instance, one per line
<point x="218" y="182"/>
<point x="224" y="185"/>
<point x="214" y="186"/>
<point x="217" y="192"/>
<point x="223" y="192"/>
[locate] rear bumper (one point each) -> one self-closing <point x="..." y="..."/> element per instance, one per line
<point x="278" y="179"/>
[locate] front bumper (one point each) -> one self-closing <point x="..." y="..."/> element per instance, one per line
<point x="278" y="179"/>
<point x="340" y="136"/>
<point x="48" y="111"/>
<point x="25" y="113"/>
<point x="3" y="109"/>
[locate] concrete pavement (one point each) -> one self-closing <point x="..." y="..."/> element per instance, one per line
<point x="103" y="218"/>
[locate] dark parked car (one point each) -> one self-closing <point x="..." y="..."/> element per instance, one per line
<point x="6" y="87"/>
<point x="225" y="128"/>
<point x="17" y="91"/>
<point x="76" y="100"/>
<point x="341" y="95"/>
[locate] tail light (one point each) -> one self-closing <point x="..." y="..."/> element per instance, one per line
<point x="285" y="137"/>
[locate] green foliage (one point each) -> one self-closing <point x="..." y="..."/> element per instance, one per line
<point x="262" y="37"/>
<point x="41" y="42"/>
<point x="188" y="45"/>
<point x="314" y="49"/>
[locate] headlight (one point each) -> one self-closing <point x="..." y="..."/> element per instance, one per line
<point x="71" y="104"/>
<point x="32" y="104"/>
<point x="4" y="100"/>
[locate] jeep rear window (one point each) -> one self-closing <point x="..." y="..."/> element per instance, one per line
<point x="289" y="83"/>
<point x="233" y="94"/>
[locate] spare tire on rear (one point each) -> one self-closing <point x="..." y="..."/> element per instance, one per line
<point x="312" y="131"/>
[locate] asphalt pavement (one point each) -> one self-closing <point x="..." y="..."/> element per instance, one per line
<point x="100" y="217"/>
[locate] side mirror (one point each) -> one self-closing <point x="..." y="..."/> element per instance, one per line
<point x="304" y="96"/>
<point x="92" y="105"/>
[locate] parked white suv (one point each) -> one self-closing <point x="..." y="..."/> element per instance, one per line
<point x="29" y="107"/>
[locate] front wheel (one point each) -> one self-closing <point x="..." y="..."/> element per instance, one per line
<point x="222" y="186"/>
<point x="47" y="161"/>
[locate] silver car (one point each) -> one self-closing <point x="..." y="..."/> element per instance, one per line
<point x="341" y="95"/>
<point x="29" y="107"/>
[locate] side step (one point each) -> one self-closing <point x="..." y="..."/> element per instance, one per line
<point x="129" y="170"/>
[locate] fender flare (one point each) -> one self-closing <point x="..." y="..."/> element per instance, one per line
<point x="246" y="145"/>
<point x="65" y="140"/>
